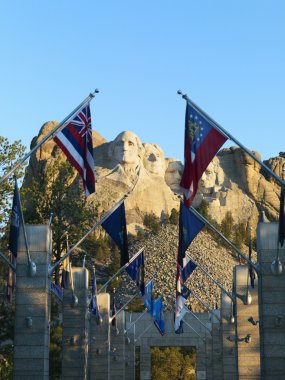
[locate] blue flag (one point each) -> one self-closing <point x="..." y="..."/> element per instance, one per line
<point x="113" y="312"/>
<point x="136" y="271"/>
<point x="93" y="304"/>
<point x="65" y="274"/>
<point x="16" y="220"/>
<point x="185" y="292"/>
<point x="115" y="225"/>
<point x="189" y="227"/>
<point x="147" y="298"/>
<point x="56" y="290"/>
<point x="157" y="312"/>
<point x="281" y="228"/>
<point x="188" y="270"/>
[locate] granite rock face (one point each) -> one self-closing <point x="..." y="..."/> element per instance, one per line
<point x="232" y="182"/>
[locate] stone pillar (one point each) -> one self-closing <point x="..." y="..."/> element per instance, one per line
<point x="75" y="328"/>
<point x="31" y="342"/>
<point x="248" y="350"/>
<point x="129" y="348"/>
<point x="117" y="348"/>
<point x="99" y="358"/>
<point x="271" y="304"/>
<point x="217" y="362"/>
<point x="229" y="347"/>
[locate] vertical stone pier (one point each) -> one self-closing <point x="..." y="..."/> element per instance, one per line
<point x="31" y="342"/>
<point x="217" y="349"/>
<point x="75" y="325"/>
<point x="229" y="347"/>
<point x="247" y="333"/>
<point x="271" y="290"/>
<point x="99" y="358"/>
<point x="117" y="348"/>
<point x="129" y="347"/>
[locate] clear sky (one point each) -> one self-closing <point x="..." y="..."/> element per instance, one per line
<point x="227" y="55"/>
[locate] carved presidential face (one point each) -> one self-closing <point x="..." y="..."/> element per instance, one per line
<point x="153" y="160"/>
<point x="127" y="148"/>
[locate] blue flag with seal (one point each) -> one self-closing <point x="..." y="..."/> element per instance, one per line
<point x="147" y="297"/>
<point x="115" y="225"/>
<point x="93" y="303"/>
<point x="158" y="316"/>
<point x="136" y="271"/>
<point x="189" y="227"/>
<point x="16" y="220"/>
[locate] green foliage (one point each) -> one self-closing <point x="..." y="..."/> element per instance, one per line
<point x="136" y="306"/>
<point x="7" y="313"/>
<point x="55" y="341"/>
<point x="173" y="363"/>
<point x="174" y="217"/>
<point x="152" y="222"/>
<point x="140" y="235"/>
<point x="240" y="235"/>
<point x="55" y="192"/>
<point x="10" y="153"/>
<point x="227" y="225"/>
<point x="114" y="267"/>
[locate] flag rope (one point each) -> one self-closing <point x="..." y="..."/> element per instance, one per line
<point x="192" y="328"/>
<point x="204" y="304"/>
<point x="58" y="128"/>
<point x="120" y="270"/>
<point x="219" y="128"/>
<point x="212" y="278"/>
<point x="195" y="212"/>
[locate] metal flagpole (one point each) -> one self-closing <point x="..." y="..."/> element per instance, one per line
<point x="227" y="134"/>
<point x="195" y="212"/>
<point x="204" y="304"/>
<point x="122" y="308"/>
<point x="57" y="129"/>
<point x="198" y="319"/>
<point x="105" y="216"/>
<point x="212" y="278"/>
<point x="133" y="323"/>
<point x="120" y="270"/>
<point x="7" y="261"/>
<point x="145" y="330"/>
<point x="192" y="328"/>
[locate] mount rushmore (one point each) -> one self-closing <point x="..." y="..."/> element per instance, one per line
<point x="232" y="182"/>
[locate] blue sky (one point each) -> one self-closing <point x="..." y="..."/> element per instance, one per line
<point x="229" y="56"/>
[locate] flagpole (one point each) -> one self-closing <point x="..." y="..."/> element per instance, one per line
<point x="120" y="270"/>
<point x="58" y="128"/>
<point x="198" y="319"/>
<point x="192" y="328"/>
<point x="122" y="308"/>
<point x="105" y="216"/>
<point x="212" y="278"/>
<point x="205" y="305"/>
<point x="7" y="261"/>
<point x="195" y="212"/>
<point x="145" y="330"/>
<point x="133" y="323"/>
<point x="228" y="135"/>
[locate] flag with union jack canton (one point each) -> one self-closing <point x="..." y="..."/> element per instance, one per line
<point x="75" y="140"/>
<point x="202" y="142"/>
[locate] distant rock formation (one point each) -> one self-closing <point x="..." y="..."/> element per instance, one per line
<point x="232" y="182"/>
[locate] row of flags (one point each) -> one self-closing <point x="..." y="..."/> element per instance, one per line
<point x="202" y="142"/>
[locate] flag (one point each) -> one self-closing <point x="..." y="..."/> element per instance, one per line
<point x="65" y="274"/>
<point x="115" y="225"/>
<point x="75" y="140"/>
<point x="180" y="328"/>
<point x="114" y="322"/>
<point x="136" y="271"/>
<point x="93" y="304"/>
<point x="281" y="228"/>
<point x="158" y="316"/>
<point x="11" y="283"/>
<point x="56" y="290"/>
<point x="251" y="269"/>
<point x="148" y="295"/>
<point x="187" y="270"/>
<point x="16" y="220"/>
<point x="189" y="227"/>
<point x="202" y="142"/>
<point x="185" y="292"/>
